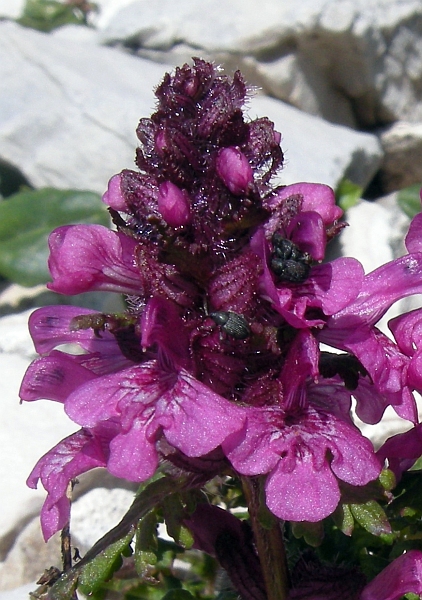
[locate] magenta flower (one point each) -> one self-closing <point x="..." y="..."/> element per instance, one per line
<point x="353" y="329"/>
<point x="90" y="257"/>
<point x="301" y="444"/>
<point x="76" y="454"/>
<point x="402" y="450"/>
<point x="402" y="576"/>
<point x="227" y="302"/>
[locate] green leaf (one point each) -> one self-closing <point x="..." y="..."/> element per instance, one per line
<point x="26" y="220"/>
<point x="178" y="595"/>
<point x="372" y="518"/>
<point x="344" y="520"/>
<point x="101" y="568"/>
<point x="312" y="533"/>
<point x="46" y="15"/>
<point x="409" y="200"/>
<point x="174" y="513"/>
<point x="64" y="588"/>
<point x="387" y="479"/>
<point x="146" y="545"/>
<point x="348" y="194"/>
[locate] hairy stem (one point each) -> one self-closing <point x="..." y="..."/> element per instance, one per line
<point x="269" y="540"/>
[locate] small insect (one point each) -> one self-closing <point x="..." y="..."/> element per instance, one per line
<point x="101" y="322"/>
<point x="288" y="262"/>
<point x="232" y="323"/>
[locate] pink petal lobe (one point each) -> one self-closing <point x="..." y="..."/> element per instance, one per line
<point x="91" y="257"/>
<point x="194" y="418"/>
<point x="73" y="456"/>
<point x="286" y="497"/>
<point x="53" y="377"/>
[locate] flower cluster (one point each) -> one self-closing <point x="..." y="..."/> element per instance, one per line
<point x="228" y="303"/>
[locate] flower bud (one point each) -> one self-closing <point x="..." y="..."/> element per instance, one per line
<point x="113" y="197"/>
<point x="234" y="170"/>
<point x="173" y="204"/>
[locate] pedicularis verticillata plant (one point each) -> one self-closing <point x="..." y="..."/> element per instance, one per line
<point x="213" y="382"/>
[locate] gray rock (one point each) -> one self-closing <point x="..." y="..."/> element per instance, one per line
<point x="68" y="114"/>
<point x="21" y="593"/>
<point x="366" y="57"/>
<point x="402" y="162"/>
<point x="29" y="557"/>
<point x="11" y="9"/>
<point x="96" y="512"/>
<point x="319" y="151"/>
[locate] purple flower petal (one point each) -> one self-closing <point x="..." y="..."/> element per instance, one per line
<point x="317" y="197"/>
<point x="402" y="450"/>
<point x="296" y="448"/>
<point x="285" y="491"/>
<point x="234" y="170"/>
<point x="161" y="325"/>
<point x="407" y="331"/>
<point x="413" y="238"/>
<point x="380" y="289"/>
<point x="145" y="398"/>
<point x="194" y="418"/>
<point x="307" y="231"/>
<point x="74" y="455"/>
<point x="174" y="204"/>
<point x="301" y="363"/>
<point x="133" y="453"/>
<point x="386" y="365"/>
<point x="91" y="257"/>
<point x="402" y="576"/>
<point x="50" y="327"/>
<point x="113" y="197"/>
<point x="54" y="377"/>
<point x="132" y="391"/>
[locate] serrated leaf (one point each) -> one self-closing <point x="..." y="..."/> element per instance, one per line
<point x="371" y="517"/>
<point x="146" y="544"/>
<point x="64" y="588"/>
<point x="312" y="533"/>
<point x="27" y="219"/>
<point x="409" y="200"/>
<point x="101" y="568"/>
<point x="387" y="479"/>
<point x="174" y="514"/>
<point x="344" y="520"/>
<point x="348" y="194"/>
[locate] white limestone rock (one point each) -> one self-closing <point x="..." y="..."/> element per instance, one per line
<point x="20" y="593"/>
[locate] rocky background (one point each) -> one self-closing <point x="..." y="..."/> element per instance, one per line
<point x="341" y="79"/>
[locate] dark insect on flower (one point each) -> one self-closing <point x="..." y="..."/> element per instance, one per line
<point x="347" y="366"/>
<point x="289" y="263"/>
<point x="232" y="323"/>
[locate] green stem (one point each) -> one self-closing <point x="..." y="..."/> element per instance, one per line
<point x="269" y="540"/>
